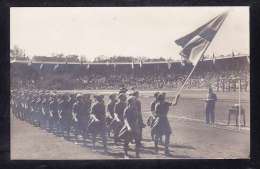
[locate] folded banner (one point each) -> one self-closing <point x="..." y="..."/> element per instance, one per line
<point x="195" y="43"/>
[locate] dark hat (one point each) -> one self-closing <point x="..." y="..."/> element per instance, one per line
<point x="86" y="95"/>
<point x="123" y="90"/>
<point x="156" y="94"/>
<point x="99" y="97"/>
<point x="161" y="96"/>
<point x="122" y="96"/>
<point x="131" y="99"/>
<point x="112" y="96"/>
<point x="78" y="95"/>
<point x="135" y="93"/>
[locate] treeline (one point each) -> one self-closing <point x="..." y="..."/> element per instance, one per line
<point x="120" y="59"/>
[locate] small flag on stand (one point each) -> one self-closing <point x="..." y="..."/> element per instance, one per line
<point x="248" y="59"/>
<point x="41" y="66"/>
<point x="133" y="66"/>
<point x="88" y="66"/>
<point x="141" y="63"/>
<point x="169" y="65"/>
<point x="29" y="62"/>
<point x="114" y="66"/>
<point x="213" y="58"/>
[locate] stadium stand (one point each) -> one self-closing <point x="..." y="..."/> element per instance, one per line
<point x="221" y="74"/>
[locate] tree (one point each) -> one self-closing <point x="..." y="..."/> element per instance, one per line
<point x="17" y="52"/>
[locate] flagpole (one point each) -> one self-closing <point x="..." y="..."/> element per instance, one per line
<point x="179" y="91"/>
<point x="186" y="80"/>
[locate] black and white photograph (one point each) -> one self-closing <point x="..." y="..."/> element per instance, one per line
<point x="113" y="83"/>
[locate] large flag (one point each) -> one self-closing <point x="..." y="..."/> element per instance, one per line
<point x="195" y="43"/>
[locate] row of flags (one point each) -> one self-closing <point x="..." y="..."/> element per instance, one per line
<point x="132" y="64"/>
<point x="55" y="67"/>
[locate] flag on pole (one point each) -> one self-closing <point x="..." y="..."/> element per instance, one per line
<point x="29" y="62"/>
<point x="133" y="66"/>
<point x="88" y="66"/>
<point x="141" y="63"/>
<point x="41" y="66"/>
<point x="114" y="66"/>
<point x="233" y="54"/>
<point x="169" y="65"/>
<point x="248" y="59"/>
<point x="195" y="43"/>
<point x="213" y="58"/>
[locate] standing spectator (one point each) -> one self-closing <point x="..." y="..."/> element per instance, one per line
<point x="210" y="106"/>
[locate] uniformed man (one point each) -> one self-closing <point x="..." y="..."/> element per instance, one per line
<point x="152" y="118"/>
<point x="138" y="107"/>
<point x="22" y="106"/>
<point x="85" y="115"/>
<point x="44" y="111"/>
<point x="119" y="113"/>
<point x="161" y="125"/>
<point x="38" y="109"/>
<point x="210" y="106"/>
<point x="33" y="109"/>
<point x="66" y="115"/>
<point x="132" y="127"/>
<point x="53" y="112"/>
<point x="98" y="111"/>
<point x="111" y="111"/>
<point x="77" y="112"/>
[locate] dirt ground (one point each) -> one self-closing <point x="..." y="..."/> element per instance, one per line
<point x="191" y="139"/>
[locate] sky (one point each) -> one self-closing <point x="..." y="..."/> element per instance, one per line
<point x="127" y="31"/>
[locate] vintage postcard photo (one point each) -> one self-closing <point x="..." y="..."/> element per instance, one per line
<point x="97" y="83"/>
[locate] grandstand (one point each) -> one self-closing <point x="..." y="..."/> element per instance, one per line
<point x="219" y="73"/>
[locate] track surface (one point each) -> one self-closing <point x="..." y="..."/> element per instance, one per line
<point x="191" y="137"/>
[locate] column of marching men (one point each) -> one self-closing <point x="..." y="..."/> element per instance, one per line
<point x="77" y="115"/>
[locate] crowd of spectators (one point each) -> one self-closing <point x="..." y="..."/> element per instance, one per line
<point x="221" y="76"/>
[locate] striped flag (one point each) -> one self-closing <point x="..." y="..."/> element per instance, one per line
<point x="195" y="43"/>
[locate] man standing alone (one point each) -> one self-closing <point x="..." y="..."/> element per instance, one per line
<point x="210" y="107"/>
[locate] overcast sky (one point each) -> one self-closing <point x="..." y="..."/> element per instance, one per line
<point x="131" y="31"/>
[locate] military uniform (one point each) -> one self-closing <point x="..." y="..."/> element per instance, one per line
<point x="152" y="118"/>
<point x="99" y="112"/>
<point x="80" y="115"/>
<point x="161" y="125"/>
<point x="53" y="113"/>
<point x="132" y="126"/>
<point x="119" y="112"/>
<point x="111" y="111"/>
<point x="66" y="115"/>
<point x="210" y="107"/>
